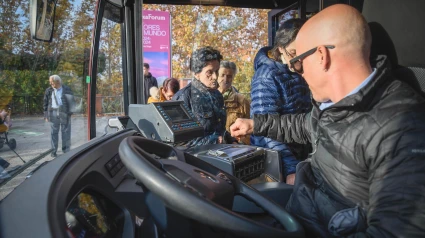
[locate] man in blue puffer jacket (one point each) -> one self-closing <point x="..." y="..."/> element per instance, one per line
<point x="275" y="89"/>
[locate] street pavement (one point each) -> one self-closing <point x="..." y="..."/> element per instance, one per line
<point x="32" y="135"/>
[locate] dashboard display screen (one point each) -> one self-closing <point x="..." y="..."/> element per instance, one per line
<point x="175" y="112"/>
<point x="233" y="151"/>
<point x="92" y="215"/>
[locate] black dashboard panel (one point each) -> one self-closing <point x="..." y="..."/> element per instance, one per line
<point x="46" y="201"/>
<point x="87" y="193"/>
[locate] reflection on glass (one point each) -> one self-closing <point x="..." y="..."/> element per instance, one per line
<point x="91" y="215"/>
<point x="109" y="86"/>
<point x="25" y="67"/>
<point x="45" y="13"/>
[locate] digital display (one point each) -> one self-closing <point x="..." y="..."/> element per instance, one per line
<point x="234" y="151"/>
<point x="91" y="215"/>
<point x="175" y="112"/>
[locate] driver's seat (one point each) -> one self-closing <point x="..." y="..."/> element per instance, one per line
<point x="415" y="76"/>
<point x="402" y="41"/>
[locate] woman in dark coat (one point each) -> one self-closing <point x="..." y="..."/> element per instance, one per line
<point x="202" y="96"/>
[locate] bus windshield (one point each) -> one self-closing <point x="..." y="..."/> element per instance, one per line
<point x="45" y="86"/>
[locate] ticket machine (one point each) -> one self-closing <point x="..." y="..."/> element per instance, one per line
<point x="174" y="123"/>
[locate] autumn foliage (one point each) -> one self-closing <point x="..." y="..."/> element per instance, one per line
<point x="25" y="64"/>
<point x="237" y="32"/>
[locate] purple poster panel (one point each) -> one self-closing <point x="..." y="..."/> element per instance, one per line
<point x="157" y="43"/>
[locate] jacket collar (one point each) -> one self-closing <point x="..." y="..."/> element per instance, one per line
<point x="262" y="58"/>
<point x="199" y="86"/>
<point x="232" y="96"/>
<point x="364" y="95"/>
<point x="63" y="87"/>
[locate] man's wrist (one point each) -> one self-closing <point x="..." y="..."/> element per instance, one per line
<point x="256" y="127"/>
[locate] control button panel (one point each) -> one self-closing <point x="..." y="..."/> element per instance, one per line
<point x="169" y="121"/>
<point x="114" y="165"/>
<point x="163" y="114"/>
<point x="184" y="126"/>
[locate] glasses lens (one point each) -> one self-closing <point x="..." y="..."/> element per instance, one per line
<point x="298" y="67"/>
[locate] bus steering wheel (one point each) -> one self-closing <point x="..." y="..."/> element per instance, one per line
<point x="200" y="191"/>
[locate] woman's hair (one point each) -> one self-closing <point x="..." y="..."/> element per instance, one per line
<point x="286" y="34"/>
<point x="200" y="58"/>
<point x="171" y="84"/>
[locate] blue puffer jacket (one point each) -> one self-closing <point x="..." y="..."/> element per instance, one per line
<point x="277" y="90"/>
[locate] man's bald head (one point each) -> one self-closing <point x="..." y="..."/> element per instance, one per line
<point x="332" y="72"/>
<point x="340" y="25"/>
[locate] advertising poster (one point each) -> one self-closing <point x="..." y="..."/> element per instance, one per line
<point x="157" y="43"/>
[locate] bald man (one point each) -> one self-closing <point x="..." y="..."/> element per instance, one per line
<point x="366" y="174"/>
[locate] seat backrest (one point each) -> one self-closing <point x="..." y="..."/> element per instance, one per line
<point x="397" y="32"/>
<point x="414" y="76"/>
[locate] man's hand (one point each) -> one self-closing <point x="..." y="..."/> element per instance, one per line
<point x="220" y="140"/>
<point x="290" y="179"/>
<point x="46" y="120"/>
<point x="242" y="127"/>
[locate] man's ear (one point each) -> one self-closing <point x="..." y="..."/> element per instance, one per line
<point x="325" y="60"/>
<point x="196" y="75"/>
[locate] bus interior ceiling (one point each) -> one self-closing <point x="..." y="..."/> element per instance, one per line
<point x="311" y="5"/>
<point x="270" y="4"/>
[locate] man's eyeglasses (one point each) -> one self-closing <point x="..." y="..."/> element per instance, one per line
<point x="297" y="62"/>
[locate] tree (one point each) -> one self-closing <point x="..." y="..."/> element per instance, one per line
<point x="237" y="32"/>
<point x="110" y="81"/>
<point x="26" y="64"/>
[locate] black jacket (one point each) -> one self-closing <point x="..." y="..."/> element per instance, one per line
<point x="67" y="103"/>
<point x="149" y="81"/>
<point x="369" y="150"/>
<point x="208" y="107"/>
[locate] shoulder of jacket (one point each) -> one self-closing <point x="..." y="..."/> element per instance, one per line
<point x="245" y="100"/>
<point x="267" y="73"/>
<point x="66" y="88"/>
<point x="240" y="98"/>
<point x="184" y="92"/>
<point x="187" y="89"/>
<point x="48" y="91"/>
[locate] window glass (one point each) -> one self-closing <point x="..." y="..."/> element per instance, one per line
<point x="109" y="86"/>
<point x="25" y="68"/>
